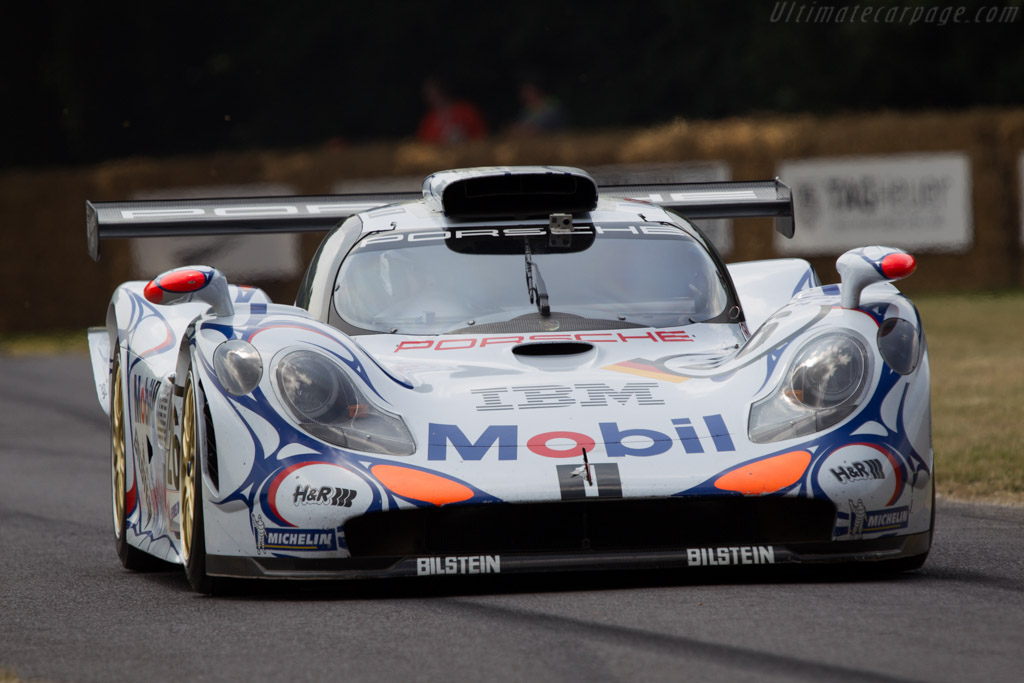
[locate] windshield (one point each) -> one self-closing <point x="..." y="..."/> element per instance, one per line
<point x="514" y="280"/>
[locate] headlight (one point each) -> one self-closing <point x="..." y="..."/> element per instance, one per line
<point x="329" y="405"/>
<point x="824" y="384"/>
<point x="238" y="366"/>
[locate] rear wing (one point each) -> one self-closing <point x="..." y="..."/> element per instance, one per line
<point x="185" y="217"/>
<point x="726" y="199"/>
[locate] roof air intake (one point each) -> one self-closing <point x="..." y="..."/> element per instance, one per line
<point x="511" y="192"/>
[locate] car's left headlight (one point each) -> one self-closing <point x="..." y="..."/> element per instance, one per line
<point x="238" y="366"/>
<point x="825" y="383"/>
<point x="329" y="404"/>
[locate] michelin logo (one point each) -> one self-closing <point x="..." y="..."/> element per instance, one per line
<point x="300" y="539"/>
<point x="864" y="521"/>
<point x="887" y="520"/>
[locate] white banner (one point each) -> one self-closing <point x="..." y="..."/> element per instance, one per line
<point x="919" y="202"/>
<point x="719" y="231"/>
<point x="240" y="257"/>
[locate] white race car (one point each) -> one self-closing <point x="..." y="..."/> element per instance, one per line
<point x="514" y="372"/>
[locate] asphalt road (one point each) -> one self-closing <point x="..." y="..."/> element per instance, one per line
<point x="69" y="612"/>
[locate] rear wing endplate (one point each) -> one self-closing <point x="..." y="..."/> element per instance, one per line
<point x="185" y="217"/>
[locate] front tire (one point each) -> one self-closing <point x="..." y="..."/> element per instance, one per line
<point x="193" y="530"/>
<point x="909" y="564"/>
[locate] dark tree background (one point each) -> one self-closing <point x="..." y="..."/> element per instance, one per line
<point x="87" y="81"/>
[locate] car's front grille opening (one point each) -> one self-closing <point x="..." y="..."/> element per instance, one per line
<point x="590" y="525"/>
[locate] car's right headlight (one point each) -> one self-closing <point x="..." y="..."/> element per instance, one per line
<point x="825" y="383"/>
<point x="329" y="405"/>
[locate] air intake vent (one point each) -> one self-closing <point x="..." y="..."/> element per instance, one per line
<point x="597" y="525"/>
<point x="162" y="404"/>
<point x="212" y="463"/>
<point x="512" y="192"/>
<point x="552" y="349"/>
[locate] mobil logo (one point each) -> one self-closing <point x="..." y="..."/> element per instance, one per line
<point x="680" y="435"/>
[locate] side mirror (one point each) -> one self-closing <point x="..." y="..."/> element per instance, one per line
<point x="859" y="268"/>
<point x="191" y="283"/>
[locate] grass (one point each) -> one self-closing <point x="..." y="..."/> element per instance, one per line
<point x="976" y="348"/>
<point x="977" y="362"/>
<point x="38" y="343"/>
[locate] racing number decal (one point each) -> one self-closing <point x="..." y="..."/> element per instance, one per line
<point x="573" y="482"/>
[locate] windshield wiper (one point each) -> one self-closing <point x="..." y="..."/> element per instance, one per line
<point x="535" y="285"/>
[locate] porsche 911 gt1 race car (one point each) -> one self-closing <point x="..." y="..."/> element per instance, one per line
<point x="513" y="372"/>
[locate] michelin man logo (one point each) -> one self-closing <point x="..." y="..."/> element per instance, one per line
<point x="260" y="531"/>
<point x="858" y="513"/>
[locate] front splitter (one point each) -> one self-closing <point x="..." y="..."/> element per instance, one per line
<point x="731" y="556"/>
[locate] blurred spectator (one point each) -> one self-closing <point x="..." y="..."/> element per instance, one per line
<point x="542" y="112"/>
<point x="448" y="120"/>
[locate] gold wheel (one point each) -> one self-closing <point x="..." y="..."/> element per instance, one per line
<point x="117" y="449"/>
<point x="188" y="470"/>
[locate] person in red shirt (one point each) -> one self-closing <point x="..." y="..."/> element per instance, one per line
<point x="448" y="120"/>
<point x="542" y="112"/>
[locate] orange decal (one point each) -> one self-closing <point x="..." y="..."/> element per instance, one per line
<point x="645" y="370"/>
<point x="766" y="476"/>
<point x="430" y="488"/>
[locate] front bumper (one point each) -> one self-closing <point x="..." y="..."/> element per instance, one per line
<point x="593" y="534"/>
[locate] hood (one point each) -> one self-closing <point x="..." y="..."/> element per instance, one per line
<point x="659" y="412"/>
<point x="513" y="414"/>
